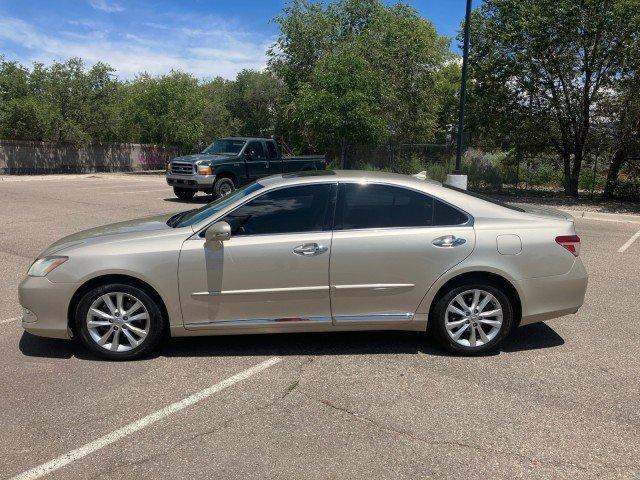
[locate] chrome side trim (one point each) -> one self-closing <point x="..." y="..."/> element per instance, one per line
<point x="374" y="286"/>
<point x="374" y="318"/>
<point x="261" y="291"/>
<point x="260" y="321"/>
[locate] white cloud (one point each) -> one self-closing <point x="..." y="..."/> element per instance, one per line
<point x="206" y="53"/>
<point x="105" y="6"/>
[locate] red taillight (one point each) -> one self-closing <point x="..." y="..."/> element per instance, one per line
<point x="570" y="242"/>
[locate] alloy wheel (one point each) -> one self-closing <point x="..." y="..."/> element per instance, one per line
<point x="118" y="321"/>
<point x="473" y="318"/>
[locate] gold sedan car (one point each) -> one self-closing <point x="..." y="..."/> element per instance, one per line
<point x="326" y="251"/>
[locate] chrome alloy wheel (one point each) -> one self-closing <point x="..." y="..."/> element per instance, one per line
<point x="118" y="321"/>
<point x="473" y="318"/>
<point x="226" y="188"/>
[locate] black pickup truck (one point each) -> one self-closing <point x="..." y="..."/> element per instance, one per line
<point x="231" y="162"/>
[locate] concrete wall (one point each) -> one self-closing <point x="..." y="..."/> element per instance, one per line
<point x="27" y="157"/>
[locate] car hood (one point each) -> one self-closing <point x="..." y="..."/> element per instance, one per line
<point x="207" y="159"/>
<point x="130" y="227"/>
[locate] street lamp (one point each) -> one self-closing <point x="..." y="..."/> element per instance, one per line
<point x="457" y="179"/>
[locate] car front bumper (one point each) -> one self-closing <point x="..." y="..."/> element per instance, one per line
<point x="45" y="306"/>
<point x="190" y="181"/>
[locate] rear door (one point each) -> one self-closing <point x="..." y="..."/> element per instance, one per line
<point x="390" y="244"/>
<point x="256" y="160"/>
<point x="274" y="163"/>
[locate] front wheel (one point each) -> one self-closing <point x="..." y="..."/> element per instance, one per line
<point x="184" y="193"/>
<point x="223" y="186"/>
<point x="119" y="322"/>
<point x="472" y="319"/>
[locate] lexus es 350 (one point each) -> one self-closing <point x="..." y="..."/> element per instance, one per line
<point x="327" y="251"/>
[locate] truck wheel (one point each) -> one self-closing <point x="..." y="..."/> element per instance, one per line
<point x="223" y="186"/>
<point x="184" y="193"/>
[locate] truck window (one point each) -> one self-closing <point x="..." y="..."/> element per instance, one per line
<point x="256" y="150"/>
<point x="272" y="150"/>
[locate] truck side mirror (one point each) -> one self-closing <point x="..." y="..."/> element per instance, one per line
<point x="218" y="232"/>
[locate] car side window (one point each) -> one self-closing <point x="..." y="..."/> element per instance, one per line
<point x="256" y="149"/>
<point x="362" y="206"/>
<point x="446" y="215"/>
<point x="381" y="206"/>
<point x="272" y="150"/>
<point x="305" y="208"/>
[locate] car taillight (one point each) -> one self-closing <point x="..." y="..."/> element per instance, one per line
<point x="570" y="242"/>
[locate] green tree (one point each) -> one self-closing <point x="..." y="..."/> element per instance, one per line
<point x="164" y="110"/>
<point x="340" y="104"/>
<point x="409" y="53"/>
<point x="549" y="61"/>
<point x="253" y="100"/>
<point x="402" y="46"/>
<point x="216" y="117"/>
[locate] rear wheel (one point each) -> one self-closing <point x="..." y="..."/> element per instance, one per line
<point x="119" y="322"/>
<point x="184" y="193"/>
<point x="472" y="319"/>
<point x="223" y="186"/>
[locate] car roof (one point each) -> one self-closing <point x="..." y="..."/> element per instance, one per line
<point x="474" y="206"/>
<point x="316" y="176"/>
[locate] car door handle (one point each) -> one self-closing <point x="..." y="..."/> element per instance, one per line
<point x="309" y="249"/>
<point x="449" y="241"/>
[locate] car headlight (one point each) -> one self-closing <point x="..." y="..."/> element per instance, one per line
<point x="44" y="265"/>
<point x="205" y="170"/>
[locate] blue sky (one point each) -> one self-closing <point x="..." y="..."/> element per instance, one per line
<point x="206" y="38"/>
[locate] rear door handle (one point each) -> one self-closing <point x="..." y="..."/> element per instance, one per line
<point x="449" y="241"/>
<point x="310" y="249"/>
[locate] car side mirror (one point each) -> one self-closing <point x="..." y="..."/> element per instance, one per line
<point x="218" y="232"/>
<point x="248" y="155"/>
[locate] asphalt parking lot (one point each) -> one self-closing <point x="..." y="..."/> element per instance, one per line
<point x="560" y="400"/>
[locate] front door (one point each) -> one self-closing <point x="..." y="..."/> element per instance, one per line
<point x="388" y="249"/>
<point x="273" y="272"/>
<point x="256" y="160"/>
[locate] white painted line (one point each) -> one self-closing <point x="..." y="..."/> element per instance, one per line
<point x="629" y="242"/>
<point x="9" y="320"/>
<point x="73" y="455"/>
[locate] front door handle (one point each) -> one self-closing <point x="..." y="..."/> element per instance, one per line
<point x="449" y="241"/>
<point x="310" y="249"/>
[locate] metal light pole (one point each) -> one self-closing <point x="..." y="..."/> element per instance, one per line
<point x="457" y="178"/>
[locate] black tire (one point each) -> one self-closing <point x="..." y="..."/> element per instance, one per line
<point x="223" y="186"/>
<point x="438" y="320"/>
<point x="184" y="193"/>
<point x="148" y="344"/>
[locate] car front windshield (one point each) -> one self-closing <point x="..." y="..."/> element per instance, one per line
<point x="225" y="146"/>
<point x="191" y="217"/>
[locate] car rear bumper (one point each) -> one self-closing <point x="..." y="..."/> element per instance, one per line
<point x="190" y="181"/>
<point x="45" y="306"/>
<point x="550" y="297"/>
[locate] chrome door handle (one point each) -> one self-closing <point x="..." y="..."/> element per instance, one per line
<point x="309" y="249"/>
<point x="449" y="241"/>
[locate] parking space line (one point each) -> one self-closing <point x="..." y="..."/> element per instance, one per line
<point x="133" y="427"/>
<point x="9" y="320"/>
<point x="629" y="242"/>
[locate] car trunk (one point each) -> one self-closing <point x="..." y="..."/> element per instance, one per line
<point x="541" y="211"/>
